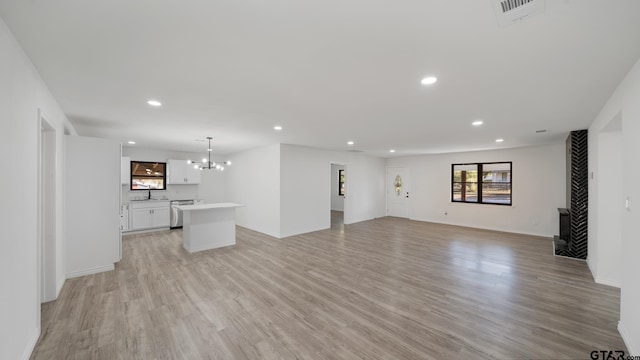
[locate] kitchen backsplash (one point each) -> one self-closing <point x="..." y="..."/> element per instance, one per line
<point x="173" y="192"/>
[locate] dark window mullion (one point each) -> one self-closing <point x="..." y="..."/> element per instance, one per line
<point x="463" y="189"/>
<point x="480" y="179"/>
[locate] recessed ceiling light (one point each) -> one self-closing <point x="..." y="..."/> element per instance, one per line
<point x="277" y="127"/>
<point x="392" y="151"/>
<point x="499" y="140"/>
<point x="429" y="80"/>
<point x="477" y="123"/>
<point x="131" y="142"/>
<point x="154" y="103"/>
<point x="350" y="142"/>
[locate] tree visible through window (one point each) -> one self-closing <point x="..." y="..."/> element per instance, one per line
<point x="482" y="183"/>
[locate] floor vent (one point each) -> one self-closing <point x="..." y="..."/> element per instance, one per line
<point x="510" y="11"/>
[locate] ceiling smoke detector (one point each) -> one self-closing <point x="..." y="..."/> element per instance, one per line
<point x="511" y="11"/>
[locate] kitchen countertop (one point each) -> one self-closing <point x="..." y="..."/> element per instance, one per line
<point x="133" y="201"/>
<point x="143" y="200"/>
<point x="208" y="206"/>
<point x="128" y="202"/>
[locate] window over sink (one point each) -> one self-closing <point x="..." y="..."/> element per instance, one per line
<point x="146" y="175"/>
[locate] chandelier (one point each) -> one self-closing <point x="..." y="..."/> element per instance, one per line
<point x="207" y="164"/>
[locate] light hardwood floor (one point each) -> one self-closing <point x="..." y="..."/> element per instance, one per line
<point x="383" y="289"/>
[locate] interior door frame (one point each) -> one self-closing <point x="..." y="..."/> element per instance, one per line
<point x="346" y="190"/>
<point x="46" y="217"/>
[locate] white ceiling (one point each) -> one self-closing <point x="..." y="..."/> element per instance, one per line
<point x="327" y="71"/>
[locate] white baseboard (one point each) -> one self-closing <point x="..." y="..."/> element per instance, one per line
<point x="94" y="270"/>
<point x="137" y="232"/>
<point x="204" y="248"/>
<point x="355" y="221"/>
<point x="32" y="345"/>
<point x="591" y="269"/>
<point x="491" y="228"/>
<point x="625" y="337"/>
<point x="600" y="279"/>
<point x="605" y="281"/>
<point x="59" y="285"/>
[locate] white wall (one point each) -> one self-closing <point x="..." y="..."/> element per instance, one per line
<point x="306" y="178"/>
<point x="624" y="104"/>
<point x="254" y="181"/>
<point x="213" y="186"/>
<point x="337" y="201"/>
<point x="365" y="191"/>
<point x="22" y="92"/>
<point x="305" y="175"/>
<point x="92" y="205"/>
<point x="605" y="238"/>
<point x="538" y="176"/>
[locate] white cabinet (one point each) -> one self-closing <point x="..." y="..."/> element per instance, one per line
<point x="176" y="171"/>
<point x="181" y="172"/>
<point x="124" y="217"/>
<point x="149" y="215"/>
<point x="125" y="170"/>
<point x="140" y="218"/>
<point x="193" y="175"/>
<point x="160" y="217"/>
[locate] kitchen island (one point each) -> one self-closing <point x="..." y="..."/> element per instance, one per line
<point x="208" y="226"/>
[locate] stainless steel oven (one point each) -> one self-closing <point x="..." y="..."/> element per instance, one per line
<point x="176" y="214"/>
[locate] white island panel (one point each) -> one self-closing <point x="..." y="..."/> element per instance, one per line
<point x="208" y="226"/>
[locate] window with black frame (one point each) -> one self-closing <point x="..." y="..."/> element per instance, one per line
<point x="482" y="183"/>
<point x="146" y="175"/>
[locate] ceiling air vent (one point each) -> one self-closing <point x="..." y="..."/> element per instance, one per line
<point x="509" y="5"/>
<point x="510" y="11"/>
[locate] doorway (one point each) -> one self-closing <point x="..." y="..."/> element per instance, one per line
<point x="398" y="192"/>
<point x="47" y="209"/>
<point x="338" y="195"/>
